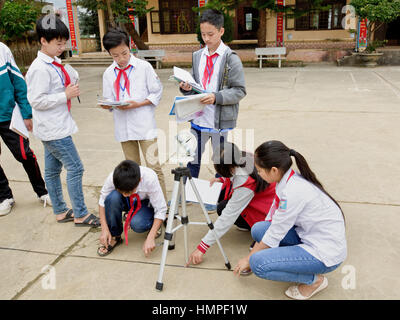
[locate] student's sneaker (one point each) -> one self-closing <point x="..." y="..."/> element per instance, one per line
<point x="211" y="208"/>
<point x="241" y="229"/>
<point x="252" y="246"/>
<point x="6" y="206"/>
<point x="46" y="200"/>
<point x="246" y="272"/>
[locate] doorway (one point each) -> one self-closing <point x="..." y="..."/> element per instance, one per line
<point x="247" y="23"/>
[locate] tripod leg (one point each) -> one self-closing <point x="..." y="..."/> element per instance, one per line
<point x="209" y="223"/>
<point x="185" y="219"/>
<point x="168" y="233"/>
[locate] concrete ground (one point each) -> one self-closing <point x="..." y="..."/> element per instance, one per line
<point x="343" y="120"/>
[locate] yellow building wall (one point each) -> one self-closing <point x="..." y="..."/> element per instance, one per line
<point x="311" y="35"/>
<point x="157" y="38"/>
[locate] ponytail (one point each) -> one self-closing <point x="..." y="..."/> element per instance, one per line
<point x="276" y="154"/>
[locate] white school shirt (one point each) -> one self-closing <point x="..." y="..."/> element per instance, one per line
<point x="148" y="188"/>
<point x="207" y="118"/>
<point x="317" y="219"/>
<point x="139" y="123"/>
<point x="46" y="94"/>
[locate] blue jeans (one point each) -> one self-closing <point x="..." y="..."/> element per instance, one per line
<point x="59" y="153"/>
<point x="288" y="262"/>
<point x="116" y="203"/>
<point x="202" y="138"/>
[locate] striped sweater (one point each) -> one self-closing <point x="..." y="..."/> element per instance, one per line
<point x="12" y="87"/>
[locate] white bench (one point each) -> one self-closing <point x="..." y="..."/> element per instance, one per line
<point x="272" y="53"/>
<point x="152" y="55"/>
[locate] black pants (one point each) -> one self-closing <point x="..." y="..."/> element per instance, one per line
<point x="21" y="151"/>
<point x="240" y="222"/>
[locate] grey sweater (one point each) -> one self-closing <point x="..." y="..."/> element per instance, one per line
<point x="231" y="88"/>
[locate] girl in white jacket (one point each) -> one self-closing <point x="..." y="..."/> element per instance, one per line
<point x="303" y="236"/>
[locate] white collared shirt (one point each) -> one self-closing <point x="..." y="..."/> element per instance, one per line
<point x="148" y="188"/>
<point x="317" y="219"/>
<point x="46" y="94"/>
<point x="139" y="123"/>
<point x="207" y="118"/>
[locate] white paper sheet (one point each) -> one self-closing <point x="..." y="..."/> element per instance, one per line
<point x="189" y="106"/>
<point x="183" y="75"/>
<point x="208" y="194"/>
<point x="17" y="123"/>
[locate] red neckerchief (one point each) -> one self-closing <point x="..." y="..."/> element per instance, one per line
<point x="277" y="200"/>
<point x="67" y="80"/>
<point x="117" y="82"/>
<point x="209" y="69"/>
<point x="131" y="214"/>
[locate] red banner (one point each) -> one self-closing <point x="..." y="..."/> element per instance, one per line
<point x="279" y="25"/>
<point x="74" y="44"/>
<point x="362" y="33"/>
<point x="202" y="3"/>
<point x="132" y="18"/>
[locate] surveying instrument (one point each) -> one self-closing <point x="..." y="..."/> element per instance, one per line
<point x="186" y="146"/>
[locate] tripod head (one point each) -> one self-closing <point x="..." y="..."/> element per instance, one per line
<point x="186" y="145"/>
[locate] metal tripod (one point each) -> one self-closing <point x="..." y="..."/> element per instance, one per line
<point x="181" y="174"/>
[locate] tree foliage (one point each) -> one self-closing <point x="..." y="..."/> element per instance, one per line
<point x="225" y="7"/>
<point x="17" y="17"/>
<point x="378" y="12"/>
<point x="118" y="12"/>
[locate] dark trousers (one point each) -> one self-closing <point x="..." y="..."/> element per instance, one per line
<point x="21" y="151"/>
<point x="240" y="222"/>
<point x="202" y="138"/>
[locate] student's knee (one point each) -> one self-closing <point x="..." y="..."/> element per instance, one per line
<point x="258" y="230"/>
<point x="260" y="265"/>
<point x="113" y="200"/>
<point x="141" y="225"/>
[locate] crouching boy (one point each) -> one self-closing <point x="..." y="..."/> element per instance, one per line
<point x="134" y="189"/>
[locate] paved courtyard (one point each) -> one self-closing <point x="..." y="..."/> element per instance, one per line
<point x="345" y="121"/>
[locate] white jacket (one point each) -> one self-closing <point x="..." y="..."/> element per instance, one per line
<point x="317" y="219"/>
<point x="46" y="94"/>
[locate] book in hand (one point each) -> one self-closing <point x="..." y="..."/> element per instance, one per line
<point x="185" y="108"/>
<point x="112" y="104"/>
<point x="17" y="123"/>
<point x="181" y="75"/>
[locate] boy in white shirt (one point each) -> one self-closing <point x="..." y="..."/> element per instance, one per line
<point x="50" y="92"/>
<point x="135" y="189"/>
<point x="134" y="81"/>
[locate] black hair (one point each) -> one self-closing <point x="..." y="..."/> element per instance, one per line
<point x="126" y="176"/>
<point x="276" y="154"/>
<point x="51" y="27"/>
<point x="115" y="37"/>
<point x="231" y="157"/>
<point x="213" y="17"/>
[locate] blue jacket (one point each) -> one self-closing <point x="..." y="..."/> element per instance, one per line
<point x="12" y="87"/>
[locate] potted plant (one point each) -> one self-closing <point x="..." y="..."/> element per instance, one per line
<point x="378" y="13"/>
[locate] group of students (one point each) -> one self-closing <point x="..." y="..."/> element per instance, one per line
<point x="297" y="227"/>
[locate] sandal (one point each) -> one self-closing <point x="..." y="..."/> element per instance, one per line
<point x="68" y="217"/>
<point x="90" y="221"/>
<point x="110" y="248"/>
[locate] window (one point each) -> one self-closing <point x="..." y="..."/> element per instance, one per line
<point x="155" y="21"/>
<point x="320" y="20"/>
<point x="177" y="16"/>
